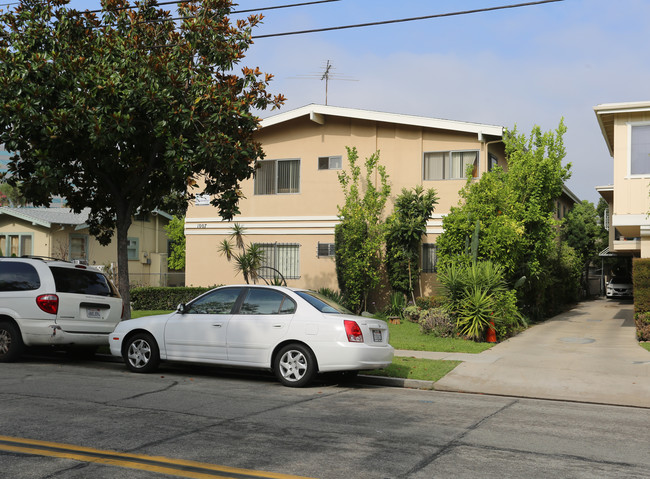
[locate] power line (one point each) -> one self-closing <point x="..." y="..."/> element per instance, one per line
<point x="401" y="20"/>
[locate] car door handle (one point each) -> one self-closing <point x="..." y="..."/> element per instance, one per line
<point x="218" y="325"/>
<point x="278" y="325"/>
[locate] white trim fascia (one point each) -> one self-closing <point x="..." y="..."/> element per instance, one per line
<point x="630" y="220"/>
<point x="260" y="232"/>
<point x="22" y="216"/>
<point x="630" y="107"/>
<point x="605" y="188"/>
<point x="251" y="219"/>
<point x="318" y="113"/>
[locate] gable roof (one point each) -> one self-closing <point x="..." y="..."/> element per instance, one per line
<point x="48" y="216"/>
<point x="319" y="113"/>
<point x="606" y="112"/>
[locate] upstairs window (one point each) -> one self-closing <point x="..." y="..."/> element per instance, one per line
<point x="640" y="149"/>
<point x="274" y="177"/>
<point x="330" y="162"/>
<point x="449" y="165"/>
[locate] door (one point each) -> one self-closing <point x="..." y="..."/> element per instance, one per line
<point x="262" y="322"/>
<point x="199" y="333"/>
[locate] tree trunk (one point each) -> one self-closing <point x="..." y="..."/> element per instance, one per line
<point x="123" y="223"/>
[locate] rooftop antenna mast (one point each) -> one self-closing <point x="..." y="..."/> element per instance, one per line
<point x="326" y="75"/>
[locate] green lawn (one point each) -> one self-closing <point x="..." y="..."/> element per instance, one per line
<point x="139" y="314"/>
<point x="407" y="336"/>
<point x="645" y="346"/>
<point x="415" y="368"/>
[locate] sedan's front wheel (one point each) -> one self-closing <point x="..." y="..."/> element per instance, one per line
<point x="141" y="353"/>
<point x="295" y="365"/>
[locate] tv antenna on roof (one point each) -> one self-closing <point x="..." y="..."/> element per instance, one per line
<point x="327" y="75"/>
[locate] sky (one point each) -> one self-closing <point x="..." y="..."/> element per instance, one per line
<point x="517" y="67"/>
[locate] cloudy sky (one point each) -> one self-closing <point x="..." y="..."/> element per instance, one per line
<point x="525" y="66"/>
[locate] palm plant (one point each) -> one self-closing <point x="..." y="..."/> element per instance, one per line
<point x="248" y="260"/>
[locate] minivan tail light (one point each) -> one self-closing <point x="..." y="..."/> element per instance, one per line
<point x="353" y="331"/>
<point x="48" y="303"/>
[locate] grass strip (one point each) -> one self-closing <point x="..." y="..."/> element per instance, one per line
<point x="407" y="336"/>
<point x="415" y="368"/>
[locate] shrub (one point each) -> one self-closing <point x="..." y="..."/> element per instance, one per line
<point x="164" y="298"/>
<point x="428" y="302"/>
<point x="438" y="322"/>
<point x="642" y="321"/>
<point x="412" y="314"/>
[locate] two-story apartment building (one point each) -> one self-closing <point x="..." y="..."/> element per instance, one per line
<point x="290" y="207"/>
<point x="626" y="130"/>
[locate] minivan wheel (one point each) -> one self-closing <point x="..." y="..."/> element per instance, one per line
<point x="141" y="353"/>
<point x="295" y="365"/>
<point x="11" y="342"/>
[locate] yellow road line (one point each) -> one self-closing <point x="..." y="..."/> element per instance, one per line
<point x="177" y="467"/>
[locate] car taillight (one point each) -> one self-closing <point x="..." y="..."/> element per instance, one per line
<point x="353" y="331"/>
<point x="48" y="303"/>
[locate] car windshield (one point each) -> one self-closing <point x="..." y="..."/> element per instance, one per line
<point x="322" y="303"/>
<point x="621" y="280"/>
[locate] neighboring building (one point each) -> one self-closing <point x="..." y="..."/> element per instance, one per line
<point x="61" y="233"/>
<point x="290" y="208"/>
<point x="626" y="130"/>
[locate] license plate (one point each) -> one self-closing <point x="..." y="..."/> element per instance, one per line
<point x="376" y="335"/>
<point x="93" y="313"/>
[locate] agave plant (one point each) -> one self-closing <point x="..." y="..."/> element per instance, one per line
<point x="475" y="312"/>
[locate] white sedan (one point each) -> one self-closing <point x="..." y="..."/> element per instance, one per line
<point x="295" y="333"/>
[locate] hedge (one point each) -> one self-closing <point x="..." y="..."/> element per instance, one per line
<point x="164" y="298"/>
<point x="641" y="279"/>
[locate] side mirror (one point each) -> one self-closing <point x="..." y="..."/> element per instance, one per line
<point x="181" y="308"/>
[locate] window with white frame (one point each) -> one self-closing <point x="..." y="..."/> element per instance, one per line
<point x="16" y="244"/>
<point x="429" y="258"/>
<point x="283" y="257"/>
<point x="449" y="165"/>
<point x="274" y="177"/>
<point x="325" y="249"/>
<point x="640" y="149"/>
<point x="133" y="248"/>
<point x="330" y="162"/>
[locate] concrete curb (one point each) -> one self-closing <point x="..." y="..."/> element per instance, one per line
<point x="395" y="382"/>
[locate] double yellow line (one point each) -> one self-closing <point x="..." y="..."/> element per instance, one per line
<point x="163" y="465"/>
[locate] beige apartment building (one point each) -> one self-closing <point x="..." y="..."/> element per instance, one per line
<point x="291" y="206"/>
<point x="626" y="130"/>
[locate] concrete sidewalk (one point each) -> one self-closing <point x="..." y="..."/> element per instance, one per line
<point x="588" y="354"/>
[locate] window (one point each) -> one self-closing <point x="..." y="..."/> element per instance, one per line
<point x="274" y="177"/>
<point x="81" y="281"/>
<point x="219" y="301"/>
<point x="640" y="150"/>
<point x="133" y="248"/>
<point x="267" y="301"/>
<point x="492" y="161"/>
<point x="445" y="165"/>
<point x="429" y="258"/>
<point x="18" y="277"/>
<point x="325" y="249"/>
<point x="284" y="258"/>
<point x="330" y="162"/>
<point x="16" y="244"/>
<point x="79" y="248"/>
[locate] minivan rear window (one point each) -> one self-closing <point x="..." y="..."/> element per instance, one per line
<point x="81" y="281"/>
<point x="16" y="276"/>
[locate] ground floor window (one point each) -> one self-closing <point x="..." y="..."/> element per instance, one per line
<point x="283" y="257"/>
<point x="16" y="244"/>
<point x="79" y="248"/>
<point x="133" y="248"/>
<point x="429" y="258"/>
<point x="325" y="249"/>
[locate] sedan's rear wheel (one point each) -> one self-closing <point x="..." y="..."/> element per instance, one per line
<point x="141" y="353"/>
<point x="295" y="365"/>
<point x="11" y="342"/>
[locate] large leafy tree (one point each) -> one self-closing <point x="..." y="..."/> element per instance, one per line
<point x="582" y="230"/>
<point x="515" y="210"/>
<point x="121" y="111"/>
<point x="359" y="237"/>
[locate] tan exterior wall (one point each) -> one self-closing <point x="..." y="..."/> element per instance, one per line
<point x="309" y="216"/>
<point x="55" y="242"/>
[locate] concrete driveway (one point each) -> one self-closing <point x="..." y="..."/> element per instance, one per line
<point x="588" y="354"/>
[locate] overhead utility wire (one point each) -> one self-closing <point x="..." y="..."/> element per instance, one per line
<point x="401" y="20"/>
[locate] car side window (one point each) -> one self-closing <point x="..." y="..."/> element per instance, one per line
<point x="219" y="301"/>
<point x="267" y="301"/>
<point x="15" y="276"/>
